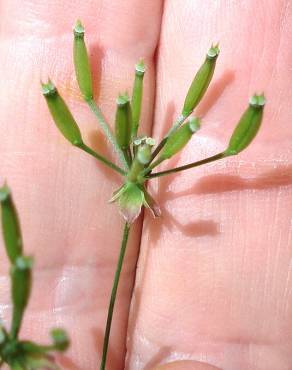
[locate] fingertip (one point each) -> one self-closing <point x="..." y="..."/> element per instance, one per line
<point x="186" y="365"/>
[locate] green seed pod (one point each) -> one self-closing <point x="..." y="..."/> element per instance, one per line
<point x="10" y="225"/>
<point x="21" y="287"/>
<point x="248" y="125"/>
<point x="178" y="140"/>
<point x="201" y="81"/>
<point x="61" y="114"/>
<point x="123" y="122"/>
<point x="81" y="62"/>
<point x="60" y="339"/>
<point x="137" y="96"/>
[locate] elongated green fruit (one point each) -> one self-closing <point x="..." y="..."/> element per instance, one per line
<point x="61" y="114"/>
<point x="137" y="96"/>
<point x="123" y="122"/>
<point x="81" y="62"/>
<point x="201" y="81"/>
<point x="178" y="140"/>
<point x="248" y="126"/>
<point x="10" y="225"/>
<point x="21" y="287"/>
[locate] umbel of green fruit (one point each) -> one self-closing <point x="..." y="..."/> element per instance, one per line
<point x="16" y="353"/>
<point x="139" y="156"/>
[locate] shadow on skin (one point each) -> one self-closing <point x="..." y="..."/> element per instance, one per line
<point x="213" y="184"/>
<point x="196" y="228"/>
<point x="218" y="183"/>
<point x="200" y="227"/>
<point x="215" y="91"/>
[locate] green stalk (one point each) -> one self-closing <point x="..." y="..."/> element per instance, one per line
<point x="113" y="295"/>
<point x="187" y="166"/>
<point x="107" y="131"/>
<point x="99" y="157"/>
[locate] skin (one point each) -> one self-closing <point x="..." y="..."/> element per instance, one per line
<point x="213" y="283"/>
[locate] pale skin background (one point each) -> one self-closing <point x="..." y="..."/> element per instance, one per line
<point x="214" y="274"/>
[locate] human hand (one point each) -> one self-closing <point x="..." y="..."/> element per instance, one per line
<point x="213" y="279"/>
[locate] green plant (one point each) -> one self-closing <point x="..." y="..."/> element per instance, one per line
<point x="138" y="154"/>
<point x="22" y="354"/>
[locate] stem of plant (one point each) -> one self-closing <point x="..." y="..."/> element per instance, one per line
<point x="127" y="155"/>
<point x="187" y="166"/>
<point x="16" y="323"/>
<point x="113" y="295"/>
<point x="107" y="131"/>
<point x="102" y="159"/>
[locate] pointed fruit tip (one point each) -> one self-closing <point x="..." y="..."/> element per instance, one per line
<point x="123" y="99"/>
<point x="150" y="141"/>
<point x="214" y="51"/>
<point x="4" y="192"/>
<point x="140" y="67"/>
<point x="78" y="29"/>
<point x="257" y="100"/>
<point x="48" y="88"/>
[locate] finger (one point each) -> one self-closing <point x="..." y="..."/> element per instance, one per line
<point x="213" y="278"/>
<point x="62" y="194"/>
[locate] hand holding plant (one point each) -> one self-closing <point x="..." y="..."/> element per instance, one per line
<point x="164" y="283"/>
